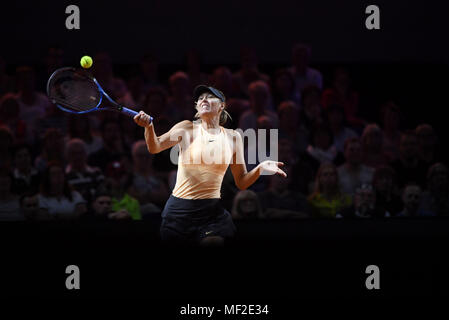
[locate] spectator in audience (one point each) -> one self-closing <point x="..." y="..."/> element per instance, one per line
<point x="149" y="67"/>
<point x="279" y="201"/>
<point x="118" y="181"/>
<point x="6" y="83"/>
<point x="429" y="153"/>
<point x="101" y="209"/>
<point x="304" y="75"/>
<point x="284" y="88"/>
<point x="411" y="198"/>
<point x="54" y="59"/>
<point x="79" y="127"/>
<point x="113" y="147"/>
<point x="364" y="205"/>
<point x="155" y="103"/>
<point x="52" y="149"/>
<point x="372" y="147"/>
<point x="342" y="94"/>
<point x="32" y="104"/>
<point x="114" y="86"/>
<point x="435" y="201"/>
<point x="53" y="118"/>
<point x="9" y="117"/>
<point x="80" y="176"/>
<point x="222" y="80"/>
<point x="259" y="93"/>
<point x="179" y="104"/>
<point x="353" y="172"/>
<point x="193" y="63"/>
<point x="249" y="71"/>
<point x="387" y="198"/>
<point x="246" y="205"/>
<point x="336" y="120"/>
<point x="6" y="143"/>
<point x="391" y="116"/>
<point x="26" y="178"/>
<point x="56" y="198"/>
<point x="408" y="167"/>
<point x="29" y="207"/>
<point x="9" y="202"/>
<point x="290" y="128"/>
<point x="327" y="199"/>
<point x="311" y="110"/>
<point x="147" y="188"/>
<point x="136" y="88"/>
<point x="321" y="147"/>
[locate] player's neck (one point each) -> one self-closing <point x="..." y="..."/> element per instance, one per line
<point x="210" y="123"/>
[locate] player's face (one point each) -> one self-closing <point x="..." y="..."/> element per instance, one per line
<point x="208" y="104"/>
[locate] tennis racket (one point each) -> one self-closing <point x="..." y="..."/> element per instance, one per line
<point x="76" y="91"/>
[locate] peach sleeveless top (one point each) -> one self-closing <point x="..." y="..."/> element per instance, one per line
<point x="203" y="163"/>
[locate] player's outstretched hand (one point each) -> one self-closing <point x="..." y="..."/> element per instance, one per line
<point x="272" y="167"/>
<point x="142" y="119"/>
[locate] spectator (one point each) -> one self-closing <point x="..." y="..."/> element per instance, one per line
<point x="9" y="202"/>
<point x="32" y="104"/>
<point x="384" y="183"/>
<point x="392" y="135"/>
<point x="327" y="199"/>
<point x="304" y="75"/>
<point x="52" y="150"/>
<point x="311" y="110"/>
<point x="9" y="117"/>
<point x="53" y="118"/>
<point x="353" y="172"/>
<point x="147" y="188"/>
<point x="101" y="209"/>
<point x="222" y="80"/>
<point x="118" y="181"/>
<point x="149" y="66"/>
<point x="259" y="93"/>
<point x="321" y="147"/>
<point x="364" y="205"/>
<point x="56" y="198"/>
<point x="279" y="201"/>
<point x="246" y="205"/>
<point x="54" y="59"/>
<point x="6" y="143"/>
<point x="155" y="103"/>
<point x="113" y="147"/>
<point x="179" y="104"/>
<point x="114" y="86"/>
<point x="372" y="147"/>
<point x="29" y="207"/>
<point x="336" y="119"/>
<point x="79" y="127"/>
<point x="80" y="176"/>
<point x="290" y="128"/>
<point x="409" y="168"/>
<point x="26" y="178"/>
<point x="285" y="88"/>
<point x="411" y="198"/>
<point x="194" y="65"/>
<point x="249" y="71"/>
<point x="435" y="201"/>
<point x="429" y="153"/>
<point x="342" y="94"/>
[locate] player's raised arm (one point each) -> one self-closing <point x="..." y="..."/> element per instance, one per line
<point x="167" y="140"/>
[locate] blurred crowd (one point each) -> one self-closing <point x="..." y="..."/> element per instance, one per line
<point x="60" y="166"/>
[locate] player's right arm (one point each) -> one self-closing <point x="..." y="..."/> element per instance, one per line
<point x="167" y="140"/>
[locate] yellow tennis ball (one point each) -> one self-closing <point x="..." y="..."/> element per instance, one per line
<point x="86" y="62"/>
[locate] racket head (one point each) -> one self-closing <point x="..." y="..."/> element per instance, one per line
<point x="73" y="90"/>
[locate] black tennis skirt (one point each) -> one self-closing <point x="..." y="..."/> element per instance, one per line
<point x="189" y="221"/>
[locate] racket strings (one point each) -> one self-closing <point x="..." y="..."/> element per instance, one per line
<point x="74" y="91"/>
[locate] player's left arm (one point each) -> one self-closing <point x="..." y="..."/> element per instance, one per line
<point x="243" y="179"/>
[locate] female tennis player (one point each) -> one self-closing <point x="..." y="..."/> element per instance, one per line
<point x="193" y="212"/>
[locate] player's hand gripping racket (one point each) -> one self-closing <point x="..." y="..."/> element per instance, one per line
<point x="75" y="91"/>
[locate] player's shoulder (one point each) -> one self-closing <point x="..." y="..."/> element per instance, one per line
<point x="184" y="124"/>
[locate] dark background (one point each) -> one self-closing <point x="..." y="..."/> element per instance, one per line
<point x="407" y="59"/>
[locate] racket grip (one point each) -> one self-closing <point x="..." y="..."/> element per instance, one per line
<point x="129" y="112"/>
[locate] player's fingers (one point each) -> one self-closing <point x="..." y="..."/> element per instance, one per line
<point x="280" y="164"/>
<point x="281" y="173"/>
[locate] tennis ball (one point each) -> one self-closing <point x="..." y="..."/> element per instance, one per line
<point x="86" y="62"/>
